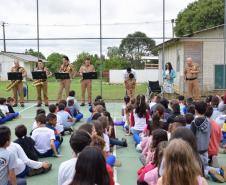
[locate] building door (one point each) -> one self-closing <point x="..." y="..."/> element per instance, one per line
<point x="194" y="49"/>
<point x="220" y="79"/>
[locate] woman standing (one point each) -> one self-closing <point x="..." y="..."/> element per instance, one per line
<point x="168" y="78"/>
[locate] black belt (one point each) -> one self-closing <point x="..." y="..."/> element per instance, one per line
<point x="191" y="78"/>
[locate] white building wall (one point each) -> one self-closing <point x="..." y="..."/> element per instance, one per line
<point x="8" y="62"/>
<point x="175" y="55"/>
<point x="213" y="53"/>
<point x="143" y="76"/>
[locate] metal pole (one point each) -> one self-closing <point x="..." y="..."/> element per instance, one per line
<point x="224" y="73"/>
<point x="38" y="28"/>
<point x="172" y="21"/>
<point x="101" y="61"/>
<point x="163" y="31"/>
<point x="4" y="43"/>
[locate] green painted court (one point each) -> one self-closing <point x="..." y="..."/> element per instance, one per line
<point x="125" y="175"/>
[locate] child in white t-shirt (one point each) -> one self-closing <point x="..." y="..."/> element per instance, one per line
<point x="44" y="138"/>
<point x="38" y="111"/>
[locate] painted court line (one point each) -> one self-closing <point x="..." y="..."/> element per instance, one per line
<point x="27" y="108"/>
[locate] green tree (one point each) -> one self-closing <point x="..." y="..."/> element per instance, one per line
<point x="34" y="53"/>
<point x="113" y="52"/>
<point x="134" y="46"/>
<point x="199" y="15"/>
<point x="54" y="61"/>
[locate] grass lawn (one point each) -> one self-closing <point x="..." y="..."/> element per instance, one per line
<point x="110" y="91"/>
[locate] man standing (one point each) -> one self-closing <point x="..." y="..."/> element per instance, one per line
<point x="66" y="67"/>
<point x="86" y="83"/>
<point x="42" y="84"/>
<point x="130" y="81"/>
<point x="191" y="72"/>
<point x="18" y="87"/>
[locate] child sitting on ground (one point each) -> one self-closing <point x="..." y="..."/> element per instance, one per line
<point x="124" y="120"/>
<point x="110" y="159"/>
<point x="38" y="111"/>
<point x="151" y="177"/>
<point x="71" y="96"/>
<point x="59" y="126"/>
<point x="158" y="136"/>
<point x="139" y="118"/>
<point x="73" y="110"/>
<point x="6" y="114"/>
<point x="10" y="103"/>
<point x="44" y="139"/>
<point x="8" y="160"/>
<point x="180" y="166"/>
<point x="201" y="128"/>
<point x="78" y="141"/>
<point x="27" y="143"/>
<point x="51" y="121"/>
<point x="66" y="119"/>
<point x="182" y="105"/>
<point x="189" y="118"/>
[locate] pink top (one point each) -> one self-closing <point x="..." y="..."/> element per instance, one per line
<point x="146" y="145"/>
<point x="151" y="177"/>
<point x="143" y="170"/>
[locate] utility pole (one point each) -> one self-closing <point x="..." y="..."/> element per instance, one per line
<point x="3" y="28"/>
<point x="172" y="22"/>
<point x="37" y="11"/>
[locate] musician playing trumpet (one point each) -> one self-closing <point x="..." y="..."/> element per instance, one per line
<point x="18" y="87"/>
<point x="42" y="84"/>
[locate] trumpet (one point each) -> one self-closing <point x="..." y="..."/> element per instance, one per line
<point x="12" y="84"/>
<point x="37" y="83"/>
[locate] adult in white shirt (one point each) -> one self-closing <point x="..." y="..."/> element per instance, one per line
<point x="22" y="160"/>
<point x="78" y="141"/>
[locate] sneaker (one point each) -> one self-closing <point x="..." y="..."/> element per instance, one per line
<point x="39" y="105"/>
<point x="90" y="104"/>
<point x="138" y="148"/>
<point x="15" y="105"/>
<point x="125" y="144"/>
<point x="22" y="105"/>
<point x="82" y="104"/>
<point x="216" y="176"/>
<point x="117" y="163"/>
<point x="224" y="172"/>
<point x="46" y="104"/>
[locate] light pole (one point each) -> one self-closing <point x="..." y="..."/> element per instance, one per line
<point x="163" y="39"/>
<point x="172" y="22"/>
<point x="3" y="29"/>
<point x="101" y="61"/>
<point x="38" y="27"/>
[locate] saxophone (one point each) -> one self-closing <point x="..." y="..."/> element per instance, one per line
<point x="41" y="81"/>
<point x="13" y="83"/>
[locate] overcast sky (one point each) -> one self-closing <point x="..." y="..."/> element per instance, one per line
<point x="80" y="18"/>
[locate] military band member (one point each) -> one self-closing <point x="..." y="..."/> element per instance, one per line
<point x="18" y="87"/>
<point x="191" y="72"/>
<point x="66" y="67"/>
<point x="86" y="84"/>
<point x="42" y="84"/>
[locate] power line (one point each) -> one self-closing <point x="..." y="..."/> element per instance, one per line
<point x="90" y="24"/>
<point x="112" y="38"/>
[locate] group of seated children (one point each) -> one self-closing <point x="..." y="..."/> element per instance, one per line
<point x="155" y="126"/>
<point x="6" y="110"/>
